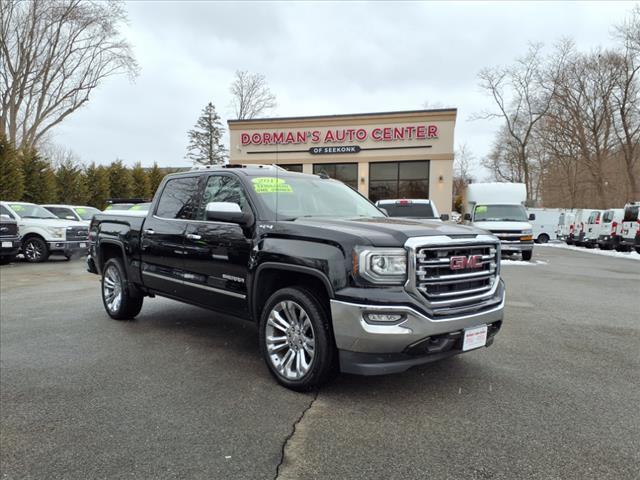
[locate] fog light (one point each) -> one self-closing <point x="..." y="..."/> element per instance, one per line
<point x="384" y="317"/>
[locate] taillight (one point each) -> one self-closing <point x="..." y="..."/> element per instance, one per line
<point x="571" y="228"/>
<point x="614" y="226"/>
<point x="597" y="220"/>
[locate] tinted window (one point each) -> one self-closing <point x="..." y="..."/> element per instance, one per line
<point x="608" y="217"/>
<point x="500" y="213"/>
<point x="415" y="210"/>
<point x="178" y="199"/>
<point x="398" y="179"/>
<point x="345" y="172"/>
<point x="221" y="188"/>
<point x="61" y="212"/>
<point x="631" y="213"/>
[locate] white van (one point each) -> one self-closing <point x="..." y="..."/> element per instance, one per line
<point x="565" y="224"/>
<point x="576" y="237"/>
<point x="499" y="208"/>
<point x="609" y="235"/>
<point x="592" y="228"/>
<point x="630" y="228"/>
<point x="545" y="225"/>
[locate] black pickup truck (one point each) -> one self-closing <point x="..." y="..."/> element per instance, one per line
<point x="332" y="282"/>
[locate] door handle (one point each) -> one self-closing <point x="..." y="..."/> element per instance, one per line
<point x="193" y="236"/>
<point x="149" y="231"/>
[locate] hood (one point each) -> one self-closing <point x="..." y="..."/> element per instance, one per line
<point x="380" y="232"/>
<point x="503" y="226"/>
<point x="49" y="222"/>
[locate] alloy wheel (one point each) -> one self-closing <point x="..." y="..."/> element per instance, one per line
<point x="112" y="289"/>
<point x="33" y="251"/>
<point x="290" y="340"/>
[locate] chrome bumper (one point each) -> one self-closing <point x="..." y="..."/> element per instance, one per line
<point x="353" y="333"/>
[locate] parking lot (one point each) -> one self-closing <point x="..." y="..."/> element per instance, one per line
<point x="179" y="393"/>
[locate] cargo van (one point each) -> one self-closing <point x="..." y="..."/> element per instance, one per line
<point x="630" y="228"/>
<point x="565" y="224"/>
<point x="545" y="225"/>
<point x="609" y="235"/>
<point x="592" y="228"/>
<point x="499" y="208"/>
<point x="576" y="236"/>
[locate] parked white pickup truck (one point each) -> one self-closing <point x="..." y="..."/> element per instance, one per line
<point x="73" y="212"/>
<point x="43" y="233"/>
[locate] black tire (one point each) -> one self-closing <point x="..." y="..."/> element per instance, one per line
<point x="526" y="255"/>
<point x="543" y="238"/>
<point x="115" y="279"/>
<point x="322" y="364"/>
<point x="35" y="250"/>
<point x="67" y="257"/>
<point x="622" y="248"/>
<point x="637" y="249"/>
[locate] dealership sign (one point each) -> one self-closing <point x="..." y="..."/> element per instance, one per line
<point x="330" y="150"/>
<point x="341" y="135"/>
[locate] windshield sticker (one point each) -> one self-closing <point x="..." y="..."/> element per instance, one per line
<point x="481" y="209"/>
<point x="17" y="208"/>
<point x="81" y="211"/>
<point x="271" y="185"/>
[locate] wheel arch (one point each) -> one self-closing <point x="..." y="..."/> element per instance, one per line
<point x="281" y="275"/>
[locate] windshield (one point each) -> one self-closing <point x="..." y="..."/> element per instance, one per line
<point x="86" y="213"/>
<point x="499" y="213"/>
<point x="413" y="210"/>
<point x="31" y="211"/>
<point x="297" y="197"/>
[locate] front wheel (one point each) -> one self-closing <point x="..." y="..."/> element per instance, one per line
<point x="118" y="301"/>
<point x="543" y="238"/>
<point x="35" y="250"/>
<point x="296" y="340"/>
<point x="526" y="255"/>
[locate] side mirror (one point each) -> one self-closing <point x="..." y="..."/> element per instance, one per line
<point x="532" y="216"/>
<point x="444" y="217"/>
<point x="467" y="217"/>
<point x="227" y="212"/>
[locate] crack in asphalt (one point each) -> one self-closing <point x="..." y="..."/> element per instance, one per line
<point x="293" y="432"/>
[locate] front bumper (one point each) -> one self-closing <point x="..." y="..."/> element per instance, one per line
<point x="69" y="248"/>
<point x="507" y="246"/>
<point x="376" y="349"/>
<point x="9" y="246"/>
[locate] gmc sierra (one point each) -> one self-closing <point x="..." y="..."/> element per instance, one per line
<point x="332" y="282"/>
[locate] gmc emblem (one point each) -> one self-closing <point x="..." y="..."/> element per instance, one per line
<point x="461" y="262"/>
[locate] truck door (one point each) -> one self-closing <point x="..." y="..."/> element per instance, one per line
<point x="217" y="253"/>
<point x="162" y="237"/>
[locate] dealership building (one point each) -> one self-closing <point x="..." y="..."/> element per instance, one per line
<point x="383" y="155"/>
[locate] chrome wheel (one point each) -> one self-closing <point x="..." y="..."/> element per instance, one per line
<point x="112" y="289"/>
<point x="33" y="251"/>
<point x="290" y="340"/>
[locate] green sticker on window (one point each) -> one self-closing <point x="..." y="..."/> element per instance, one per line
<point x="81" y="211"/>
<point x="271" y="185"/>
<point x="481" y="209"/>
<point x="17" y="208"/>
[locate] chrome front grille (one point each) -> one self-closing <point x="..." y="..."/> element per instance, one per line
<point x="455" y="275"/>
<point x="77" y="233"/>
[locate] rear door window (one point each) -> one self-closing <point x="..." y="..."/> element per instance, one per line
<point x="631" y="213"/>
<point x="179" y="198"/>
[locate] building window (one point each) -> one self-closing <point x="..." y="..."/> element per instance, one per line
<point x="345" y="172"/>
<point x="292" y="167"/>
<point x="398" y="180"/>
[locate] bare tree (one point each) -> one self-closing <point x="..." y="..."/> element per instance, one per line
<point x="251" y="95"/>
<point x="626" y="97"/>
<point x="463" y="158"/>
<point x="522" y="97"/>
<point x="52" y="55"/>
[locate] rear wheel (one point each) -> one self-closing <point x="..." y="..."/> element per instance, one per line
<point x="543" y="238"/>
<point x="35" y="250"/>
<point x="296" y="340"/>
<point x="526" y="256"/>
<point x="637" y="249"/>
<point x="118" y="301"/>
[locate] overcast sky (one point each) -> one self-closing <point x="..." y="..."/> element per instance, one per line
<point x="319" y="58"/>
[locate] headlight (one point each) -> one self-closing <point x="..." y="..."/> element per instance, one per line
<point x="382" y="265"/>
<point x="57" y="232"/>
<point x="527" y="232"/>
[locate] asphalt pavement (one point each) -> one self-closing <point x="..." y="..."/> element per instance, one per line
<point x="183" y="393"/>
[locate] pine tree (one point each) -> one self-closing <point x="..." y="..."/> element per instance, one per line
<point x="97" y="178"/>
<point x="120" y="181"/>
<point x="11" y="176"/>
<point x="71" y="183"/>
<point x="141" y="183"/>
<point x="205" y="138"/>
<point x="39" y="178"/>
<point x="155" y="175"/>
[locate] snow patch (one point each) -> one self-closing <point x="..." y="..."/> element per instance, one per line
<point x="533" y="263"/>
<point x="595" y="251"/>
